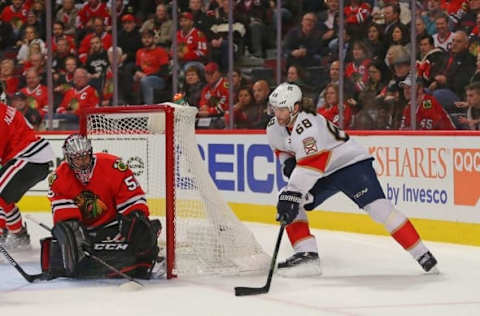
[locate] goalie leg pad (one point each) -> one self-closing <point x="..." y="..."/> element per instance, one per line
<point x="51" y="258"/>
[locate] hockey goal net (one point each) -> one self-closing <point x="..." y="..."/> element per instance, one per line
<point x="201" y="234"/>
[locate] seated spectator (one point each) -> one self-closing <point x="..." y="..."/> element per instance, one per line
<point x="375" y="41"/>
<point x="257" y="12"/>
<point x="214" y="99"/>
<point x="192" y="43"/>
<point x="37" y="93"/>
<point x="16" y="15"/>
<point x="81" y="95"/>
<point x="152" y="67"/>
<point x="330" y="109"/>
<point x="238" y="81"/>
<point x="97" y="63"/>
<point x="297" y="75"/>
<point x="193" y="86"/>
<point x="460" y="67"/>
<point x="19" y="102"/>
<point x="433" y="60"/>
<point x="7" y="41"/>
<point x="161" y="25"/>
<point x="92" y="9"/>
<point x="303" y="43"/>
<point x="428" y="15"/>
<point x="219" y="40"/>
<point x="98" y="31"/>
<point x="130" y="41"/>
<point x="37" y="61"/>
<point x="334" y="75"/>
<point x="9" y="81"/>
<point x="261" y="91"/>
<point x="201" y="20"/>
<point x="59" y="34"/>
<point x="430" y="115"/>
<point x="62" y="51"/>
<point x="472" y="119"/>
<point x="246" y="113"/>
<point x="31" y="38"/>
<point x="33" y="21"/>
<point x="64" y="80"/>
<point x="356" y="70"/>
<point x="399" y="34"/>
<point x="443" y="38"/>
<point x="67" y="14"/>
<point x="328" y="22"/>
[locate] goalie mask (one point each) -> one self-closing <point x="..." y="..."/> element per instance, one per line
<point x="286" y="95"/>
<point x="78" y="152"/>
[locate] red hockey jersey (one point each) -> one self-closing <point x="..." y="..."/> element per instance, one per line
<point x="215" y="97"/>
<point x="333" y="115"/>
<point x="430" y="116"/>
<point x="74" y="100"/>
<point x="16" y="133"/>
<point x="101" y="200"/>
<point x="357" y="14"/>
<point x="193" y="45"/>
<point x="37" y="98"/>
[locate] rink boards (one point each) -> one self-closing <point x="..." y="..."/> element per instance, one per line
<point x="433" y="178"/>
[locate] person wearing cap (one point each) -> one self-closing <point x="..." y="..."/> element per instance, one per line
<point x="192" y="43"/>
<point x="152" y="67"/>
<point x="161" y="25"/>
<point x="19" y="102"/>
<point x="214" y="98"/>
<point x="430" y="115"/>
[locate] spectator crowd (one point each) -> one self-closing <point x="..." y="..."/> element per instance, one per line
<point x="377" y="46"/>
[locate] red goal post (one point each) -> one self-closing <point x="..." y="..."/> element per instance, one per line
<point x="202" y="234"/>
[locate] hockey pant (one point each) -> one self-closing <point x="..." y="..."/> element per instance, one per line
<point x="131" y="258"/>
<point x="17" y="176"/>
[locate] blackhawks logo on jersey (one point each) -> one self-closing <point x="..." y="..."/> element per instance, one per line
<point x="51" y="178"/>
<point x="90" y="205"/>
<point x="427" y="104"/>
<point x="120" y="165"/>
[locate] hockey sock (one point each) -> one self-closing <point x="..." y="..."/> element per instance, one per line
<point x="12" y="216"/>
<point x="3" y="220"/>
<point x="300" y="237"/>
<point x="407" y="236"/>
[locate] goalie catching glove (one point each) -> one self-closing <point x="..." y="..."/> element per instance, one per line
<point x="288" y="206"/>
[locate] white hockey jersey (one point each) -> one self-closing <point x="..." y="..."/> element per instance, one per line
<point x="318" y="145"/>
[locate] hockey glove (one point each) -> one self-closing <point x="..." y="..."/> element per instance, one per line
<point x="287" y="206"/>
<point x="288" y="166"/>
<point x="73" y="239"/>
<point x="139" y="231"/>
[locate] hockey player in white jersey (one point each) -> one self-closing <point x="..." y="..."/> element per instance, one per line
<point x="320" y="160"/>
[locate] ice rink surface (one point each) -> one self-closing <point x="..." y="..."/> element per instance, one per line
<point x="362" y="276"/>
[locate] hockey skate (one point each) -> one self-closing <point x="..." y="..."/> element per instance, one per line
<point x="301" y="264"/>
<point x="159" y="268"/>
<point x="18" y="241"/>
<point x="428" y="263"/>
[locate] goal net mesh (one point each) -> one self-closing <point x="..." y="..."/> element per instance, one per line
<point x="209" y="238"/>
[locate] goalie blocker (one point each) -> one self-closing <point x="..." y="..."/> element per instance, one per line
<point x="128" y="244"/>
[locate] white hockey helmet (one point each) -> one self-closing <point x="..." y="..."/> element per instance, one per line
<point x="286" y="95"/>
<point x="76" y="146"/>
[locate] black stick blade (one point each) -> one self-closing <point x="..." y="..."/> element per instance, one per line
<point x="243" y="291"/>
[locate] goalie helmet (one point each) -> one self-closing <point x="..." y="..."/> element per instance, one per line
<point x="286" y="95"/>
<point x="76" y="147"/>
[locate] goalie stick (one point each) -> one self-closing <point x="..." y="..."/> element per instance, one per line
<point x="29" y="277"/>
<point x="243" y="291"/>
<point x="88" y="254"/>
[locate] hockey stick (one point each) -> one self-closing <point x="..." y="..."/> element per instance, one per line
<point x="88" y="254"/>
<point x="29" y="277"/>
<point x="243" y="291"/>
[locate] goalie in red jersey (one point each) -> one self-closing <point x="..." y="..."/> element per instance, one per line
<point x="98" y="206"/>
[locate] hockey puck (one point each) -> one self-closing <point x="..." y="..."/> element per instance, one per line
<point x="131" y="286"/>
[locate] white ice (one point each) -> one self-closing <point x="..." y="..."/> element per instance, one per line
<point x="362" y="276"/>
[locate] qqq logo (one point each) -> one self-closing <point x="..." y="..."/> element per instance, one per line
<point x="466" y="176"/>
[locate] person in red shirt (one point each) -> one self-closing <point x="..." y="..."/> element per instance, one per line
<point x="430" y="114"/>
<point x="37" y="93"/>
<point x="9" y="81"/>
<point x="152" y="66"/>
<point x="330" y="109"/>
<point x="16" y="14"/>
<point x="92" y="9"/>
<point x="81" y="95"/>
<point x="192" y="43"/>
<point x="99" y="31"/>
<point x="214" y="98"/>
<point x="115" y="212"/>
<point x="25" y="160"/>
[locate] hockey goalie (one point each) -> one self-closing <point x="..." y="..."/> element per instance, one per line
<point x="98" y="209"/>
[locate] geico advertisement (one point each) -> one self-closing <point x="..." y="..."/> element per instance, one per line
<point x="434" y="177"/>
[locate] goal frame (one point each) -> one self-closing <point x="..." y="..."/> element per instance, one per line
<point x="169" y="166"/>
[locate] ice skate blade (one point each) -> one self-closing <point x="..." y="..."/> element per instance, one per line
<point x="312" y="268"/>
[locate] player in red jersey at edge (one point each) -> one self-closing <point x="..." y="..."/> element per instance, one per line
<point x="321" y="160"/>
<point x="97" y="206"/>
<point x="25" y="160"/>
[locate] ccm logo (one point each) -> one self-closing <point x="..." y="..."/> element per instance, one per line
<point x="110" y="246"/>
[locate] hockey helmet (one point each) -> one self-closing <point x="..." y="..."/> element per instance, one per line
<point x="78" y="146"/>
<point x="286" y="95"/>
